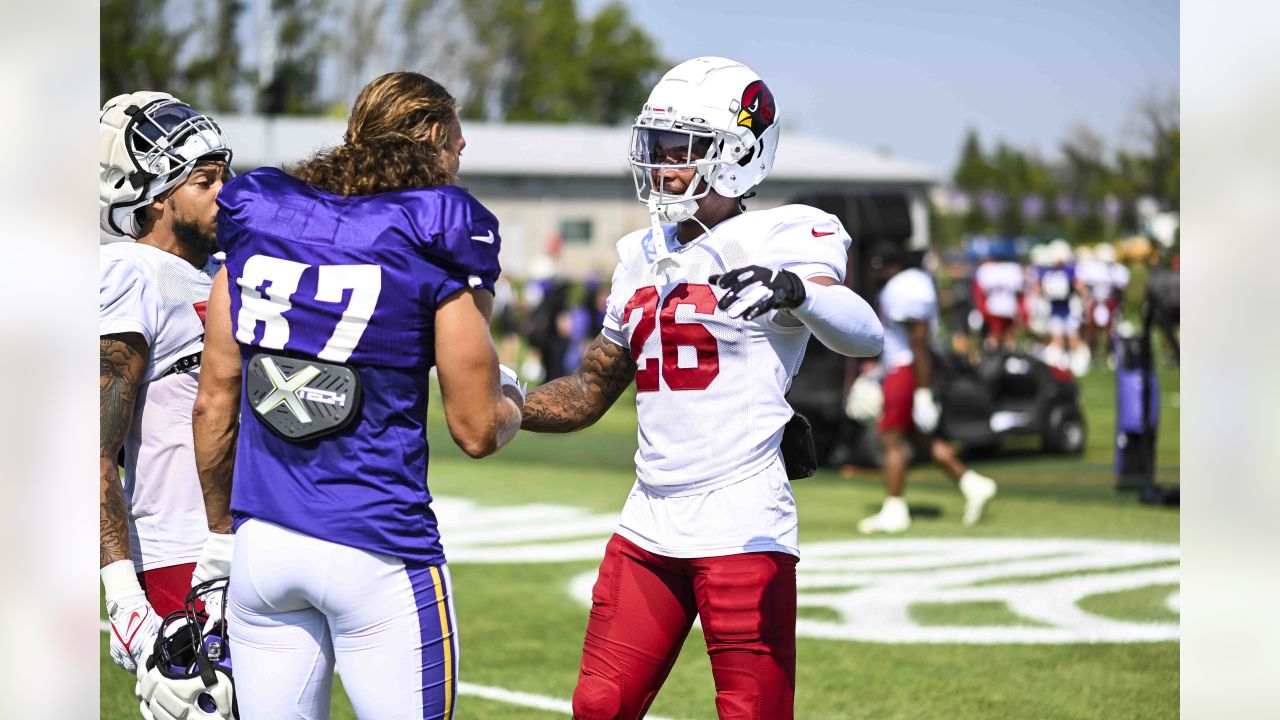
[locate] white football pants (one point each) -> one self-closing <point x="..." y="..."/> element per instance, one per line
<point x="298" y="604"/>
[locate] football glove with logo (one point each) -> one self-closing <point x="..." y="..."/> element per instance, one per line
<point x="755" y="290"/>
<point x="134" y="623"/>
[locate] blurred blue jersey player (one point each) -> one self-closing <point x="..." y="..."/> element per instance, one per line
<point x="345" y="282"/>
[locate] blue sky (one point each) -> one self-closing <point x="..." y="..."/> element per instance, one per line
<point x="911" y="76"/>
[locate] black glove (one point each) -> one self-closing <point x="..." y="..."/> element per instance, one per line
<point x="755" y="290"/>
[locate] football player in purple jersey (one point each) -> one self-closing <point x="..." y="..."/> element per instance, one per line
<point x="345" y="282"/>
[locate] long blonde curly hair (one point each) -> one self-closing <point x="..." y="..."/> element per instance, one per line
<point x="395" y="139"/>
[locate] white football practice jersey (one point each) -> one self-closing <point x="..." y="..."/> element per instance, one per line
<point x="1000" y="283"/>
<point x="909" y="296"/>
<point x="162" y="297"/>
<point x="711" y="388"/>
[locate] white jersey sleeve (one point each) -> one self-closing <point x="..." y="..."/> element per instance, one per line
<point x="615" y="306"/>
<point x="123" y="302"/>
<point x="807" y="242"/>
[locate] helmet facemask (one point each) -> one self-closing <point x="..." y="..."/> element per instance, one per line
<point x="658" y="144"/>
<point x="151" y="142"/>
<point x="166" y="139"/>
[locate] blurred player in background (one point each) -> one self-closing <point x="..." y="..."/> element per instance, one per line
<point x="1058" y="285"/>
<point x="710" y="311"/>
<point x="909" y="311"/>
<point x="161" y="167"/>
<point x="1104" y="281"/>
<point x="998" y="286"/>
<point x="386" y="269"/>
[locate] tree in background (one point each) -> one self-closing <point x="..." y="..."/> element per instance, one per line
<point x="538" y="62"/>
<point x="1087" y="179"/>
<point x="623" y="65"/>
<point x="512" y="60"/>
<point x="1090" y="195"/>
<point x="215" y="76"/>
<point x="302" y="44"/>
<point x="138" y="50"/>
<point x="973" y="175"/>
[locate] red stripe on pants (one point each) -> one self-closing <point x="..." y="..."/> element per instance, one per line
<point x="642" y="607"/>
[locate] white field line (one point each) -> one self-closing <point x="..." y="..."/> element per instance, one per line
<point x="497" y="694"/>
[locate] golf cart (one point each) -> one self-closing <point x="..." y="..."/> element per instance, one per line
<point x="1005" y="395"/>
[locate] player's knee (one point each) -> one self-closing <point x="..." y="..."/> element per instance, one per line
<point x="597" y="698"/>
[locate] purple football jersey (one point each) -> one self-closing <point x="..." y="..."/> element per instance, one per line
<point x="1057" y="284"/>
<point x="351" y="280"/>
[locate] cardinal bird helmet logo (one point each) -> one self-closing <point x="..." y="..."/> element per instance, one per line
<point x="758" y="110"/>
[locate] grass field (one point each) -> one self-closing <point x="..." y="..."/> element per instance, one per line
<point x="521" y="623"/>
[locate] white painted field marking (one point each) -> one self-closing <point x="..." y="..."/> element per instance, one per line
<point x="497" y="694"/>
<point x="871" y="585"/>
<point x="527" y="534"/>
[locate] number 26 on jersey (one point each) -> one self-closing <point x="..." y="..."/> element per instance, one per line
<point x="673" y="335"/>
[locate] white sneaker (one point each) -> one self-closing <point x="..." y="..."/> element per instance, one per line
<point x="892" y="518"/>
<point x="977" y="490"/>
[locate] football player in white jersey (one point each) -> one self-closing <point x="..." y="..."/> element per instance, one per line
<point x="161" y="166"/>
<point x="710" y="311"/>
<point x="998" y="284"/>
<point x="909" y="311"/>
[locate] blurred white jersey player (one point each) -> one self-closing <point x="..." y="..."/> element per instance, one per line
<point x="998" y="287"/>
<point x="1104" y="281"/>
<point x="909" y="414"/>
<point x="161" y="167"/>
<point x="710" y="311"/>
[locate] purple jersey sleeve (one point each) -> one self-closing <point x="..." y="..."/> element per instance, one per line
<point x="460" y="236"/>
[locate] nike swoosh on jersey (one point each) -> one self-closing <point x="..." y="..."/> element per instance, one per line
<point x="484" y="238"/>
<point x="821" y="234"/>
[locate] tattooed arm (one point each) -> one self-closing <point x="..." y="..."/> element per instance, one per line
<point x="215" y="418"/>
<point x="578" y="400"/>
<point x="123" y="360"/>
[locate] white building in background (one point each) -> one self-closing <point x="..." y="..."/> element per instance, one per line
<point x="569" y="186"/>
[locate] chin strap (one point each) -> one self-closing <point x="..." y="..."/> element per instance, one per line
<point x="659" y="238"/>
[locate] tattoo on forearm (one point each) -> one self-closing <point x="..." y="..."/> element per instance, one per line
<point x="121" y="358"/>
<point x="578" y="400"/>
<point x="113" y="519"/>
<point x="122" y="362"/>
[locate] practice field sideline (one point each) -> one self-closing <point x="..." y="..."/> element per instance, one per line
<point x="1062" y="604"/>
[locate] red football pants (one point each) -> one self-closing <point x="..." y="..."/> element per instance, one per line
<point x="167" y="587"/>
<point x="642" y="607"/>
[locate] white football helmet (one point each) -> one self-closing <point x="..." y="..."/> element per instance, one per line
<point x="711" y="114"/>
<point x="1059" y="252"/>
<point x="1105" y="252"/>
<point x="188" y="675"/>
<point x="150" y="141"/>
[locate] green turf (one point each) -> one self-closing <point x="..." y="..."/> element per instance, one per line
<point x="521" y="631"/>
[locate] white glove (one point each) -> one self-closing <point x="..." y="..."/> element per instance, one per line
<point x="215" y="559"/>
<point x="215" y="563"/>
<point x="508" y="378"/>
<point x="866" y="400"/>
<point x="134" y="623"/>
<point x="924" y="411"/>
